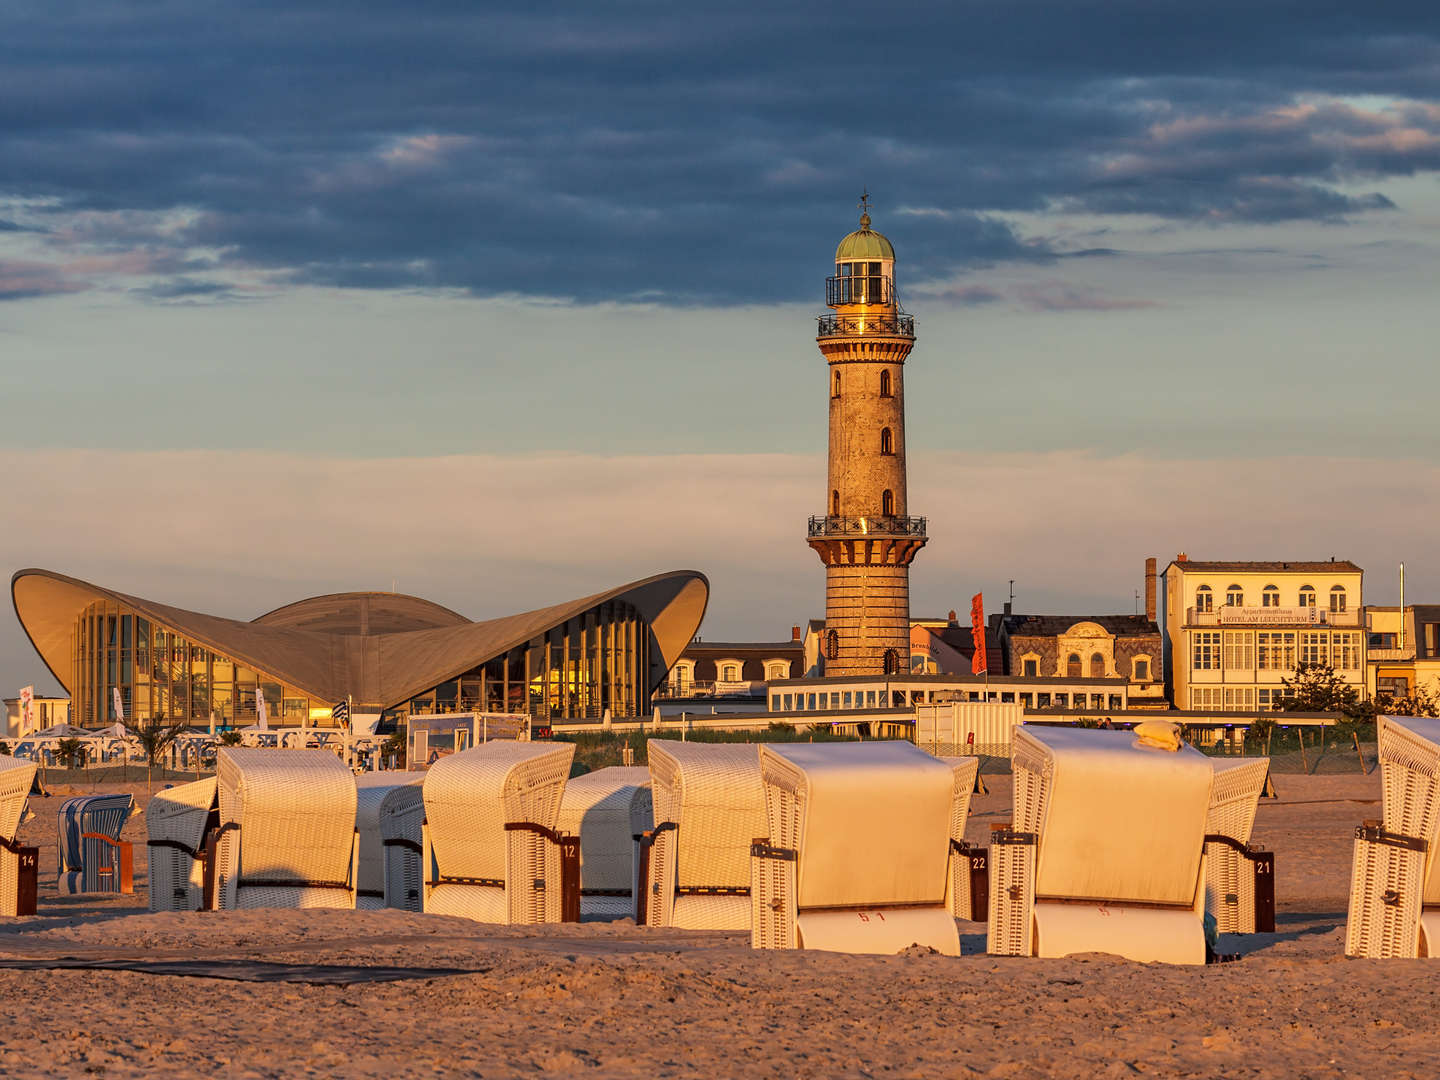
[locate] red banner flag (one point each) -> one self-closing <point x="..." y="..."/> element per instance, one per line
<point x="978" y="662"/>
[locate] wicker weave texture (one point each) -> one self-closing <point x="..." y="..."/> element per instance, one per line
<point x="1012" y="900"/>
<point x="178" y="815"/>
<point x="966" y="769"/>
<point x="286" y="816"/>
<point x="1229" y="876"/>
<point x="607" y="809"/>
<point x="717" y="801"/>
<point x="388" y="806"/>
<point x="1410" y="778"/>
<point x="1385" y="905"/>
<point x="16" y="777"/>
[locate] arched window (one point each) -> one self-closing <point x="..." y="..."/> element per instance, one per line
<point x="1337" y="598"/>
<point x="1072" y="666"/>
<point x="1307" y="595"/>
<point x="887" y="441"/>
<point x="887" y="503"/>
<point x="730" y="673"/>
<point x="892" y="662"/>
<point x="885" y="390"/>
<point x="832" y="645"/>
<point x="1097" y="666"/>
<point x="1204" y="600"/>
<point x="777" y="669"/>
<point x="836" y="391"/>
<point x="1235" y="596"/>
<point x="1270" y="596"/>
<point x="834" y="504"/>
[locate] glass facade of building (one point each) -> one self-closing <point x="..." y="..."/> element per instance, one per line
<point x="596" y="661"/>
<point x="160" y="673"/>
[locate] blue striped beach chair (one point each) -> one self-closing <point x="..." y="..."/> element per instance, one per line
<point x="92" y="857"/>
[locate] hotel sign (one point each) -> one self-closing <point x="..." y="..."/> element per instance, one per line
<point x="1270" y="616"/>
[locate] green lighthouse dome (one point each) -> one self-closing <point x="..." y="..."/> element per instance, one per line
<point x="864" y="243"/>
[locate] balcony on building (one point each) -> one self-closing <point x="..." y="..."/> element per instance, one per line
<point x="879" y="525"/>
<point x="1239" y="618"/>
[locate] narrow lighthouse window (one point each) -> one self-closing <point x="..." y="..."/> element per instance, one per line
<point x="887" y="441"/>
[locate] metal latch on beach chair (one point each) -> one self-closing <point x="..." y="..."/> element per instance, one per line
<point x="1012" y="890"/>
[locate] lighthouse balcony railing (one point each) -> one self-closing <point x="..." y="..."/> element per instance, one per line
<point x="880" y="525"/>
<point x="834" y="325"/>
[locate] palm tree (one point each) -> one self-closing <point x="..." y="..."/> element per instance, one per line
<point x="155" y="735"/>
<point x="70" y="752"/>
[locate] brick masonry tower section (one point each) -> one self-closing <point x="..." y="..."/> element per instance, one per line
<point x="865" y="537"/>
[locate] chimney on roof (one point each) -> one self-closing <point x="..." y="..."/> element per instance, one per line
<point x="794" y="633"/>
<point x="1150" y="589"/>
<point x="1182" y="557"/>
<point x="954" y="621"/>
<point x="1007" y="607"/>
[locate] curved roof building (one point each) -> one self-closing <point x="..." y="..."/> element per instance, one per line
<point x="383" y="651"/>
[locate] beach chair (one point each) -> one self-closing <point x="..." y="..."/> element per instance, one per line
<point x="969" y="892"/>
<point x="1239" y="877"/>
<point x="858" y="854"/>
<point x="1106" y="851"/>
<point x="1394" y="885"/>
<point x="490" y="849"/>
<point x="608" y="810"/>
<point x="19" y="863"/>
<point x="287" y="830"/>
<point x="695" y="862"/>
<point x="92" y="857"/>
<point x="180" y="822"/>
<point x="389" y="815"/>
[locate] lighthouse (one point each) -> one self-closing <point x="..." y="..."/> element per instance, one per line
<point x="866" y="538"/>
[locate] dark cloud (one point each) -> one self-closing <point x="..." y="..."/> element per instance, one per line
<point x="187" y="289"/>
<point x="649" y="151"/>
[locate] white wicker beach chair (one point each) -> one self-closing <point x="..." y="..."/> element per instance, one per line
<point x="19" y="864"/>
<point x="1106" y="850"/>
<point x="491" y="851"/>
<point x="287" y="830"/>
<point x="1394" y="884"/>
<point x="608" y="810"/>
<point x="709" y="808"/>
<point x="179" y="821"/>
<point x="389" y="819"/>
<point x="858" y="854"/>
<point x="969" y="892"/>
<point x="1239" y="878"/>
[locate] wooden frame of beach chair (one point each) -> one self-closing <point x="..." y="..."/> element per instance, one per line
<point x="1106" y="852"/>
<point x="608" y="809"/>
<point x="1239" y="876"/>
<point x="180" y="822"/>
<point x="1394" y="886"/>
<point x="287" y="830"/>
<point x="860" y="852"/>
<point x="90" y="855"/>
<point x="490" y="849"/>
<point x="695" y="862"/>
<point x="389" y="823"/>
<point x="19" y="863"/>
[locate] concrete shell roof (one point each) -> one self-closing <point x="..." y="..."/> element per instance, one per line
<point x="316" y="645"/>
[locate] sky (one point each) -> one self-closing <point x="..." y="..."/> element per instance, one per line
<point x="501" y="307"/>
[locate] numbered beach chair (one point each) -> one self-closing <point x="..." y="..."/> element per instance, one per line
<point x="19" y="863"/>
<point x="389" y="819"/>
<point x="1106" y="852"/>
<point x="709" y="808"/>
<point x="92" y="857"/>
<point x="969" y="894"/>
<point x="1394" y="885"/>
<point x="490" y="848"/>
<point x="287" y="830"/>
<point x="180" y="822"/>
<point x="1239" y="876"/>
<point x="608" y="810"/>
<point x="858" y="857"/>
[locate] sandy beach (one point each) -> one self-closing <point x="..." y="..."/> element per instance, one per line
<point x="323" y="993"/>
